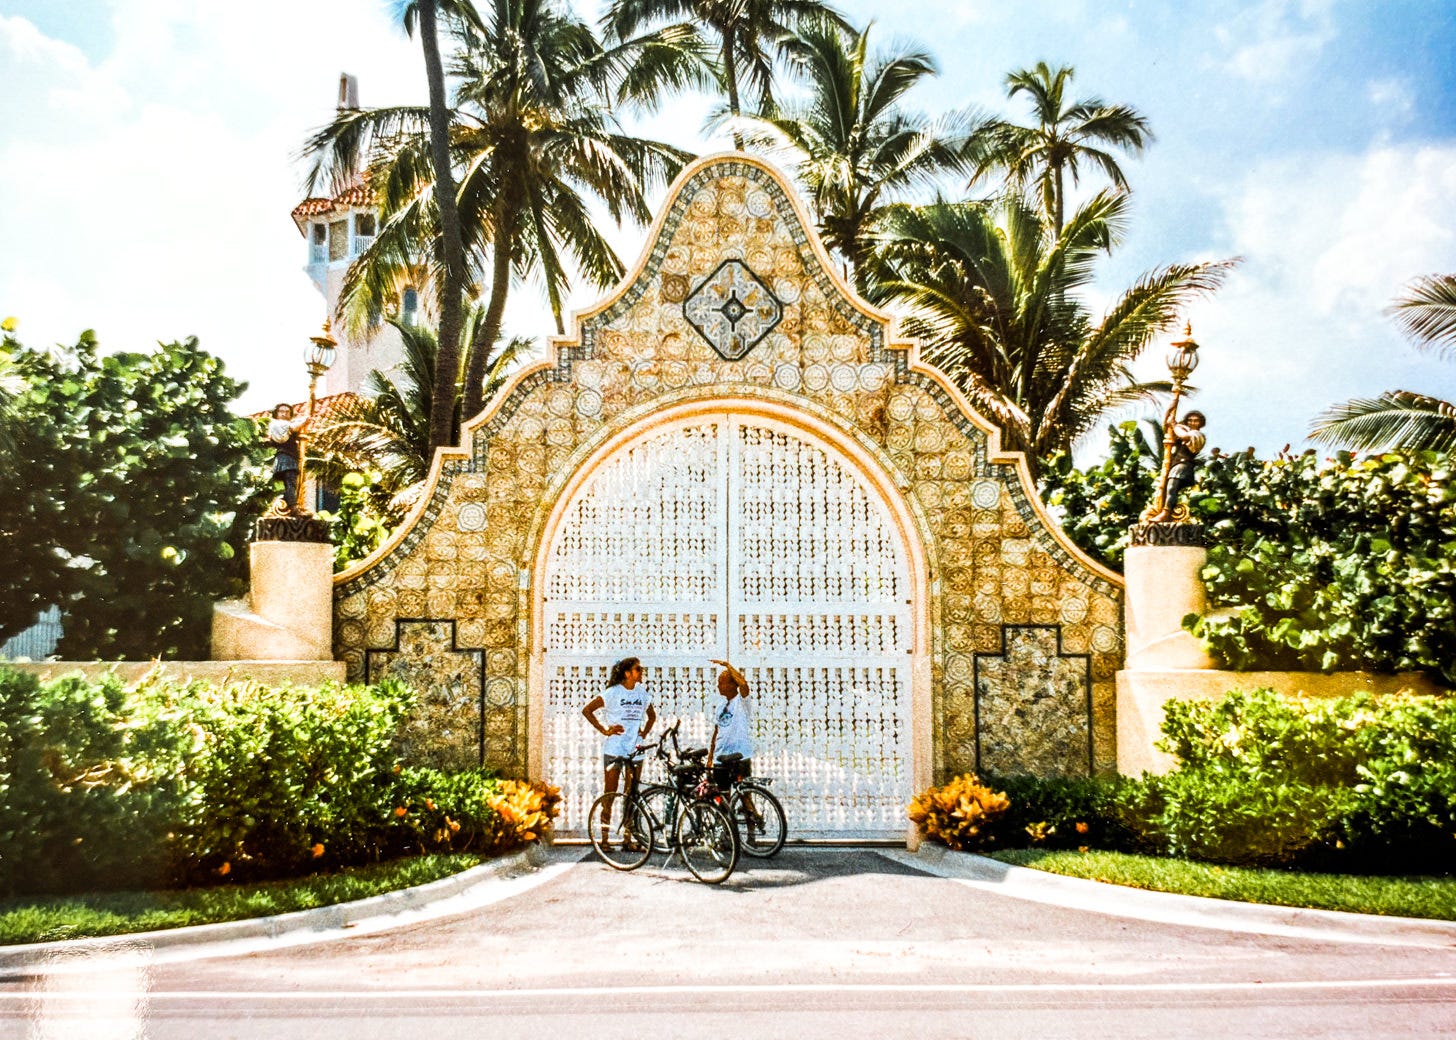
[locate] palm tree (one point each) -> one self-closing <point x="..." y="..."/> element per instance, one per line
<point x="451" y="247"/>
<point x="741" y="33"/>
<point x="388" y="427"/>
<point x="533" y="138"/>
<point x="1067" y="135"/>
<point x="1400" y="418"/>
<point x="12" y="385"/>
<point x="991" y="291"/>
<point x="856" y="147"/>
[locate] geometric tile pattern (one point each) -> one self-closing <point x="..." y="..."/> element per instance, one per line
<point x="1033" y="705"/>
<point x="994" y="564"/>
<point x="733" y="310"/>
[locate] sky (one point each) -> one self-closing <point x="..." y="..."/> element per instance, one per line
<point x="148" y="166"/>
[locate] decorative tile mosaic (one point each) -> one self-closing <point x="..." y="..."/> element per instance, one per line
<point x="1033" y="705"/>
<point x="730" y="233"/>
<point x="444" y="730"/>
<point x="732" y="309"/>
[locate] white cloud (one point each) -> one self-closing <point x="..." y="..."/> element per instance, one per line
<point x="1393" y="99"/>
<point x="1277" y="39"/>
<point x="154" y="184"/>
<point x="1328" y="241"/>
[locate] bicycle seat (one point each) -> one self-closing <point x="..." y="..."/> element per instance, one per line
<point x="695" y="753"/>
<point x="724" y="760"/>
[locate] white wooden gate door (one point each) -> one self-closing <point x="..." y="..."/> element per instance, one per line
<point x="737" y="537"/>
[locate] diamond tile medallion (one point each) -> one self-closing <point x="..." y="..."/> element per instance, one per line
<point x="732" y="309"/>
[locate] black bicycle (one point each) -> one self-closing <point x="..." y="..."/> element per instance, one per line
<point x="625" y="832"/>
<point x="758" y="816"/>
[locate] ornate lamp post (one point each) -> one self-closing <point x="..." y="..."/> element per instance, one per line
<point x="317" y="358"/>
<point x="1182" y="359"/>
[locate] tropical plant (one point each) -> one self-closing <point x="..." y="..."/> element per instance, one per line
<point x="992" y="293"/>
<point x="960" y="813"/>
<point x="1400" y="418"/>
<point x="740" y="33"/>
<point x="1068" y="135"/>
<point x="386" y="428"/>
<point x="130" y="496"/>
<point x="454" y="276"/>
<point x="533" y="137"/>
<point x="1347" y="563"/>
<point x="856" y="146"/>
<point x="12" y="384"/>
<point x="1098" y="506"/>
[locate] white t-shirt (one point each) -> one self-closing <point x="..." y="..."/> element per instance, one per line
<point x="627" y="708"/>
<point x="733" y="718"/>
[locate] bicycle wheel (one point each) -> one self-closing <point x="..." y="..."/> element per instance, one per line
<point x="760" y="820"/>
<point x="660" y="803"/>
<point x="707" y="841"/>
<point x="620" y="830"/>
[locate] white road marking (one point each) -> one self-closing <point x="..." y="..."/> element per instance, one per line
<point x="1437" y="981"/>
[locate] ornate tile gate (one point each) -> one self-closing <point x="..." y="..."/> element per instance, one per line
<point x="732" y="456"/>
<point x="735" y="537"/>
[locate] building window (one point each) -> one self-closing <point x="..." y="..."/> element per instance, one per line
<point x="363" y="231"/>
<point x="339" y="240"/>
<point x="409" y="307"/>
<point x="318" y="243"/>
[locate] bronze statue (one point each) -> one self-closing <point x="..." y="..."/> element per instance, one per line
<point x="1182" y="441"/>
<point x="284" y="433"/>
<point x="1185" y="440"/>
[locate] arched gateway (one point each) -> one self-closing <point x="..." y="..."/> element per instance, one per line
<point x="731" y="460"/>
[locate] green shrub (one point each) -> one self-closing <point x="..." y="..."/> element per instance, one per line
<point x="90" y="789"/>
<point x="102" y="787"/>
<point x="1340" y="563"/>
<point x="282" y="771"/>
<point x="1253" y="820"/>
<point x="1065" y="813"/>
<point x="1358" y="781"/>
<point x="1355" y="783"/>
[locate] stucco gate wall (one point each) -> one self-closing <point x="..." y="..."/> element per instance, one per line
<point x="1015" y="635"/>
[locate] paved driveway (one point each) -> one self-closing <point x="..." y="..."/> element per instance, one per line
<point x="816" y="943"/>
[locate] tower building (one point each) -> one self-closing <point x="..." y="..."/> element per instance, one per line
<point x="337" y="231"/>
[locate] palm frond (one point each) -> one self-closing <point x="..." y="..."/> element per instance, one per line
<point x="1395" y="419"/>
<point x="1427" y="312"/>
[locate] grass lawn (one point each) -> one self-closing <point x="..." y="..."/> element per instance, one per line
<point x="1430" y="897"/>
<point x="31" y="919"/>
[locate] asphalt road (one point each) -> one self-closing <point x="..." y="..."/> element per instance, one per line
<point x="816" y="943"/>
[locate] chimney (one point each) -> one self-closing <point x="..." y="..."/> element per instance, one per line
<point x="348" y="92"/>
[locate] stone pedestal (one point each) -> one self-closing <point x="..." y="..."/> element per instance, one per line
<point x="1163" y="586"/>
<point x="288" y="614"/>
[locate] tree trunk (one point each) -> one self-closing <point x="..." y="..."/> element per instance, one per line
<point x="1060" y="213"/>
<point x="730" y="81"/>
<point x="447" y="362"/>
<point x="490" y="328"/>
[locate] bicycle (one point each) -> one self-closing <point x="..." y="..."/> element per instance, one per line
<point x="700" y="830"/>
<point x="633" y="831"/>
<point x="758" y="815"/>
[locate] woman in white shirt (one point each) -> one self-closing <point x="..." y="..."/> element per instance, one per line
<point x="629" y="718"/>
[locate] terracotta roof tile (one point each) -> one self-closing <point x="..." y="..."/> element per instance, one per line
<point x="324" y="407"/>
<point x="352" y="197"/>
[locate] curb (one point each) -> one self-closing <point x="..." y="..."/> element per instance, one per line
<point x="1040" y="886"/>
<point x="449" y="895"/>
